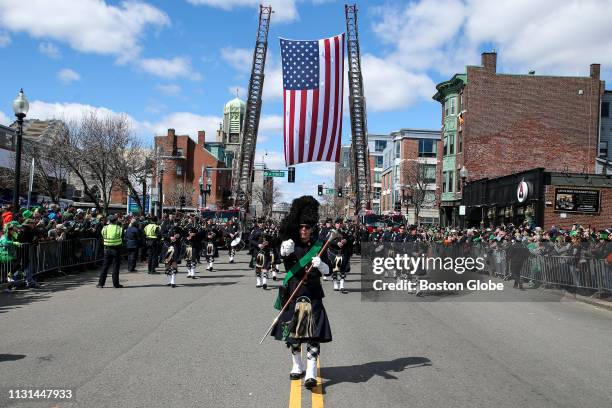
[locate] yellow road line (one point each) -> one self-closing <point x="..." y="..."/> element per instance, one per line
<point x="317" y="392"/>
<point x="295" y="395"/>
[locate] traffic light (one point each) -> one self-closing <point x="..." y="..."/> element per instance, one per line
<point x="291" y="175"/>
<point x="320" y="189"/>
<point x="339" y="192"/>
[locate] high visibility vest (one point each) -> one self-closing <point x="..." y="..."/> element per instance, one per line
<point x="112" y="235"/>
<point x="151" y="231"/>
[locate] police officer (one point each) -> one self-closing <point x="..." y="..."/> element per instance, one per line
<point x="112" y="236"/>
<point x="152" y="234"/>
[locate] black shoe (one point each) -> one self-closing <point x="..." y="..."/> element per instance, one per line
<point x="118" y="286"/>
<point x="99" y="286"/>
<point x="310" y="383"/>
<point x="194" y="277"/>
<point x="297" y="376"/>
<point x="188" y="277"/>
<point x="265" y="286"/>
<point x="274" y="278"/>
<point x="174" y="286"/>
<point x="167" y="284"/>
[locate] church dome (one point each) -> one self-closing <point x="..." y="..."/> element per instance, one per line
<point x="234" y="105"/>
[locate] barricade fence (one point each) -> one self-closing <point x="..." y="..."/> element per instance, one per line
<point x="23" y="262"/>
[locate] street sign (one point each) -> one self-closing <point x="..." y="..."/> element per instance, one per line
<point x="330" y="190"/>
<point x="274" y="173"/>
<point x="462" y="210"/>
<point x="133" y="206"/>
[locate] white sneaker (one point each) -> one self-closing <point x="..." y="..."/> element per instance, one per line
<point x="264" y="281"/>
<point x="258" y="284"/>
<point x="311" y="373"/>
<point x="341" y="284"/>
<point x="324" y="277"/>
<point x="336" y="287"/>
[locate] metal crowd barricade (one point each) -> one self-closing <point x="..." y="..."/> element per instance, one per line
<point x="29" y="260"/>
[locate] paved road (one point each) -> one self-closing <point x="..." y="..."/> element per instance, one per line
<point x="196" y="345"/>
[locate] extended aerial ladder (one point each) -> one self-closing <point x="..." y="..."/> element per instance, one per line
<point x="360" y="170"/>
<point x="241" y="179"/>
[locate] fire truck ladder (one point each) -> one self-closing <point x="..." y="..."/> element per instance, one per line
<point x="361" y="163"/>
<point x="242" y="179"/>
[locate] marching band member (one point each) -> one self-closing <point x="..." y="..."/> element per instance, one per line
<point x="263" y="259"/>
<point x="191" y="248"/>
<point x="171" y="259"/>
<point x="232" y="232"/>
<point x="304" y="321"/>
<point x="210" y="236"/>
<point x="339" y="253"/>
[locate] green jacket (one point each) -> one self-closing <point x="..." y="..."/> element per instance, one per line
<point x="7" y="249"/>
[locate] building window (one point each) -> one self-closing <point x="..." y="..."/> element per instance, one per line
<point x="605" y="109"/>
<point x="379" y="145"/>
<point x="451" y="181"/>
<point x="429" y="173"/>
<point x="603" y="149"/>
<point x="451" y="144"/>
<point x="378" y="161"/>
<point x="179" y="152"/>
<point x="345" y="159"/>
<point x="179" y="170"/>
<point x="377" y="176"/>
<point x="460" y="140"/>
<point x="377" y="193"/>
<point x="398" y="147"/>
<point x="397" y="174"/>
<point x="444" y="182"/>
<point x="450" y="107"/>
<point x="428" y="148"/>
<point x="445" y="151"/>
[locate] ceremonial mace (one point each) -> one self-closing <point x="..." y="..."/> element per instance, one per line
<point x="332" y="234"/>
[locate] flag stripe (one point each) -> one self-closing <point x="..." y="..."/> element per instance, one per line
<point x="296" y="126"/>
<point x="291" y="120"/>
<point x="303" y="117"/>
<point x="339" y="102"/>
<point x="313" y="123"/>
<point x="336" y="67"/>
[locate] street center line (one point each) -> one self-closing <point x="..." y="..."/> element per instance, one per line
<point x="295" y="394"/>
<point x="317" y="392"/>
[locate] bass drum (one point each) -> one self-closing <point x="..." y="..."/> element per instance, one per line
<point x="238" y="244"/>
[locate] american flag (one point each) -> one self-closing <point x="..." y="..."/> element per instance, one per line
<point x="313" y="79"/>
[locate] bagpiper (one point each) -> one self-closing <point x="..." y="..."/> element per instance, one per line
<point x="191" y="248"/>
<point x="339" y="255"/>
<point x="171" y="259"/>
<point x="232" y="232"/>
<point x="210" y="245"/>
<point x="263" y="259"/>
<point x="304" y="321"/>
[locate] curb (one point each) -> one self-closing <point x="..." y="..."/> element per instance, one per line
<point x="595" y="302"/>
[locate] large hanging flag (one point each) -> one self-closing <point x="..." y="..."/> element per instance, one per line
<point x="313" y="82"/>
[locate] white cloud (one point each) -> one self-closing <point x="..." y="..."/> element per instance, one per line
<point x="271" y="124"/>
<point x="239" y="58"/>
<point x="5" y="39"/>
<point x="242" y="91"/>
<point x="91" y="26"/>
<point x="186" y="123"/>
<point x="49" y="49"/>
<point x="389" y="86"/>
<point x="68" y="75"/>
<point x="273" y="84"/>
<point x="178" y="67"/>
<point x="4" y="120"/>
<point x="169" y="89"/>
<point x="284" y="10"/>
<point x="557" y="37"/>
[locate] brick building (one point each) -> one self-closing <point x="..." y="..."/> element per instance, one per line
<point x="497" y="124"/>
<point x="408" y="178"/>
<point x="184" y="164"/>
<point x="547" y="198"/>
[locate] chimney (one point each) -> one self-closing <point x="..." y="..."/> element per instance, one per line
<point x="172" y="135"/>
<point x="489" y="61"/>
<point x="201" y="137"/>
<point x="595" y="68"/>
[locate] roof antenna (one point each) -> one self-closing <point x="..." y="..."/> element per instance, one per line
<point x="237" y="93"/>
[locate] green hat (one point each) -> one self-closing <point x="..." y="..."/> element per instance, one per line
<point x="573" y="233"/>
<point x="26" y="213"/>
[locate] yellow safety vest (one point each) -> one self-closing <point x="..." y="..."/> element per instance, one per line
<point x="151" y="231"/>
<point x="112" y="235"/>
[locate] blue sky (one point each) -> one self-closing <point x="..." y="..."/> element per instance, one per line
<point x="175" y="63"/>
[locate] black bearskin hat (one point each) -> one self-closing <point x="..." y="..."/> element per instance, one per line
<point x="304" y="210"/>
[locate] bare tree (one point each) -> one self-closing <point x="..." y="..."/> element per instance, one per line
<point x="50" y="171"/>
<point x="416" y="179"/>
<point x="331" y="207"/>
<point x="266" y="197"/>
<point x="133" y="166"/>
<point x="180" y="190"/>
<point x="90" y="147"/>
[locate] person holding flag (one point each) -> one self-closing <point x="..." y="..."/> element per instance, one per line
<point x="303" y="320"/>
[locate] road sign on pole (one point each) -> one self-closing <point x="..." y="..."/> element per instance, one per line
<point x="274" y="173"/>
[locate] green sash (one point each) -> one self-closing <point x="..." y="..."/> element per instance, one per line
<point x="303" y="261"/>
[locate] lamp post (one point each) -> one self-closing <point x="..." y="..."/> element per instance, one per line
<point x="201" y="184"/>
<point x="159" y="188"/>
<point x="463" y="174"/>
<point x="208" y="186"/>
<point x="20" y="107"/>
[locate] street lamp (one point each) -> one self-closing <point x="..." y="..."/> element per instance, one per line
<point x="20" y="107"/>
<point x="201" y="184"/>
<point x="160" y="186"/>
<point x="463" y="174"/>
